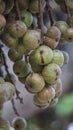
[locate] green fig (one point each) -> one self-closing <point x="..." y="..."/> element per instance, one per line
<point x="50" y="42"/>
<point x="14" y="55"/>
<point x="54" y="33"/>
<point x="9" y="40"/>
<point x="3" y="94"/>
<point x="51" y="73"/>
<point x="10" y="89"/>
<point x="53" y="102"/>
<point x="2" y="23"/>
<point x="31" y="39"/>
<point x="58" y="88"/>
<point x="20" y="48"/>
<point x="46" y="94"/>
<point x="17" y="29"/>
<point x="68" y="35"/>
<point x="62" y="25"/>
<point x="66" y="57"/>
<point x="39" y="103"/>
<point x="19" y="123"/>
<point x="58" y="58"/>
<point x="4" y="125"/>
<point x="35" y="67"/>
<point x="43" y="55"/>
<point x="34" y="6"/>
<point x="21" y="68"/>
<point x="27" y="18"/>
<point x="34" y="82"/>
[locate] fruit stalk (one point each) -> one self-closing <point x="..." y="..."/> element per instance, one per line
<point x="41" y="19"/>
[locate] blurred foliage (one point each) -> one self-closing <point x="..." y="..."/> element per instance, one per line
<point x="65" y="106"/>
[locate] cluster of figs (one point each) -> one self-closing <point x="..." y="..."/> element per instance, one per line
<point x="36" y="64"/>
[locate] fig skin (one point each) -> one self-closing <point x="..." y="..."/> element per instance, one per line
<point x="19" y="123"/>
<point x="50" y="42"/>
<point x="34" y="82"/>
<point x="66" y="57"/>
<point x="51" y="73"/>
<point x="14" y="55"/>
<point x="68" y="35"/>
<point x="35" y="67"/>
<point x="21" y="68"/>
<point x="43" y="55"/>
<point x="54" y="33"/>
<point x="58" y="88"/>
<point x="58" y="57"/>
<point x="9" y="40"/>
<point x="17" y="29"/>
<point x="39" y="103"/>
<point x="27" y="18"/>
<point x="31" y="40"/>
<point x="46" y="94"/>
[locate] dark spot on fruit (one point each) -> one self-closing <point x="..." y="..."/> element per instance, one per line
<point x="57" y="73"/>
<point x="70" y="38"/>
<point x="57" y="39"/>
<point x="16" y="126"/>
<point x="17" y="27"/>
<point x="41" y="52"/>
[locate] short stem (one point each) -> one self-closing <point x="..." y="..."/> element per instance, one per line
<point x="17" y="9"/>
<point x="41" y="24"/>
<point x="50" y="13"/>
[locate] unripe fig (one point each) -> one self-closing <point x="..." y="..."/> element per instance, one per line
<point x="66" y="57"/>
<point x="46" y="94"/>
<point x="17" y="29"/>
<point x="10" y="89"/>
<point x="1" y="80"/>
<point x="50" y="42"/>
<point x="2" y="6"/>
<point x="20" y="48"/>
<point x="3" y="94"/>
<point x="39" y="103"/>
<point x="43" y="55"/>
<point x="4" y="125"/>
<point x="34" y="6"/>
<point x="2" y="23"/>
<point x="27" y="18"/>
<point x="9" y="40"/>
<point x="35" y="67"/>
<point x="62" y="25"/>
<point x="68" y="35"/>
<point x="21" y="68"/>
<point x="14" y="55"/>
<point x="53" y="102"/>
<point x="23" y="4"/>
<point x="58" y="57"/>
<point x="54" y="33"/>
<point x="31" y="39"/>
<point x="58" y="88"/>
<point x="19" y="123"/>
<point x="51" y="73"/>
<point x="34" y="82"/>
